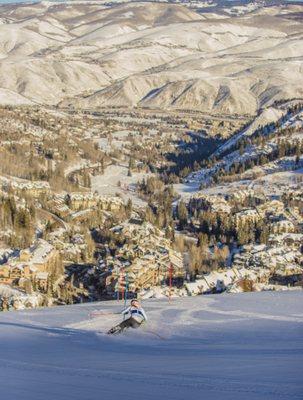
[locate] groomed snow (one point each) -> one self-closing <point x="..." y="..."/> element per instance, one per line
<point x="244" y="346"/>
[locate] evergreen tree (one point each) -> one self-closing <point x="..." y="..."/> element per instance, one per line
<point x="182" y="214"/>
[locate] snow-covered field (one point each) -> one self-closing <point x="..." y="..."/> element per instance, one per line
<point x="244" y="346"/>
<point x="108" y="183"/>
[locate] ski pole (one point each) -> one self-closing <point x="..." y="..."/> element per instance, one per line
<point x="126" y="289"/>
<point x="118" y="282"/>
<point x="122" y="279"/>
<point x="125" y="293"/>
<point x="170" y="280"/>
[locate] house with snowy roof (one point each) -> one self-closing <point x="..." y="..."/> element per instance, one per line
<point x="39" y="258"/>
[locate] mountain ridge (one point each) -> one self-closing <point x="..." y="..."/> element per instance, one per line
<point x="154" y="55"/>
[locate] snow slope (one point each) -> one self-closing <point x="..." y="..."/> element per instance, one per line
<point x="225" y="346"/>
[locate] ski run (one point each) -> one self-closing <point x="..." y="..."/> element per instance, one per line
<point x="229" y="346"/>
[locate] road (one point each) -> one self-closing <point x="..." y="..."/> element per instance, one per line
<point x="52" y="216"/>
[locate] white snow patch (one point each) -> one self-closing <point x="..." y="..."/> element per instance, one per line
<point x="233" y="346"/>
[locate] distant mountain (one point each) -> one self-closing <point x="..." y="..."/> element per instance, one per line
<point x="225" y="58"/>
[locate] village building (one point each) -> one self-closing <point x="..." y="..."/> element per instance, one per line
<point x="34" y="263"/>
<point x="240" y="196"/>
<point x="215" y="204"/>
<point x="283" y="254"/>
<point x="81" y="201"/>
<point x="24" y="187"/>
<point x="291" y="240"/>
<point x="281" y="226"/>
<point x="274" y="207"/>
<point x="146" y="260"/>
<point x="248" y="215"/>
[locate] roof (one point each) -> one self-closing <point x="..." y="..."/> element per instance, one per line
<point x="42" y="275"/>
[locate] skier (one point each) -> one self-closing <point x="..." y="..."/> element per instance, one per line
<point x="136" y="317"/>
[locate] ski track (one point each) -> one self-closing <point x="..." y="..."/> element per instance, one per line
<point x="237" y="346"/>
<point x="181" y="317"/>
<point x="213" y="384"/>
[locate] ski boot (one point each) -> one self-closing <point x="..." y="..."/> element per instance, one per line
<point x="115" y="330"/>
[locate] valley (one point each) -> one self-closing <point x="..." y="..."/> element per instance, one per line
<point x="151" y="199"/>
<point x="149" y="149"/>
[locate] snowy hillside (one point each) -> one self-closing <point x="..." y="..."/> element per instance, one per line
<point x="273" y="126"/>
<point x="228" y="346"/>
<point x="216" y="57"/>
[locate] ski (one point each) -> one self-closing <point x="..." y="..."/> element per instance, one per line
<point x="113" y="332"/>
<point x="155" y="334"/>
